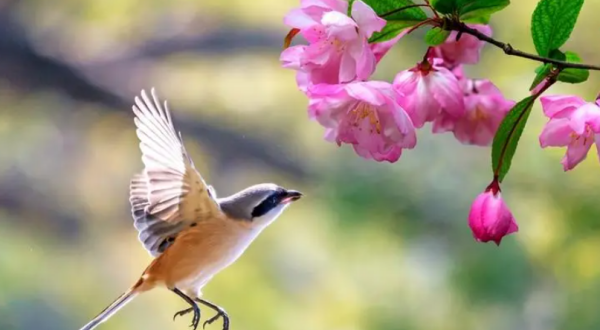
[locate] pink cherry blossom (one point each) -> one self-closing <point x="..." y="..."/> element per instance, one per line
<point x="485" y="109"/>
<point x="490" y="219"/>
<point x="366" y="115"/>
<point x="428" y="90"/>
<point x="338" y="50"/>
<point x="574" y="124"/>
<point x="466" y="50"/>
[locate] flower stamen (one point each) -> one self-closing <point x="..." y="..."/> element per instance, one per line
<point x="479" y="114"/>
<point x="362" y="111"/>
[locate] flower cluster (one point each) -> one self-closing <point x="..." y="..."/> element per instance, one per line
<point x="379" y="119"/>
<point x="573" y="123"/>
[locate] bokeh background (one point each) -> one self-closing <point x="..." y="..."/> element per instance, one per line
<point x="373" y="246"/>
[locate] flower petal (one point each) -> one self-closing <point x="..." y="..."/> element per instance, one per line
<point x="365" y="92"/>
<point x="299" y="19"/>
<point x="445" y="89"/>
<point x="347" y="68"/>
<point x="365" y="61"/>
<point x="443" y="123"/>
<point x="367" y="19"/>
<point x="291" y="57"/>
<point x="560" y="105"/>
<point x="556" y="133"/>
<point x="576" y="152"/>
<point x="340" y="26"/>
<point x="597" y="141"/>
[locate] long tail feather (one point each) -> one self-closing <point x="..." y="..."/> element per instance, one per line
<point x="111" y="309"/>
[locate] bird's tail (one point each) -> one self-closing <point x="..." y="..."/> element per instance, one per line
<point x="114" y="307"/>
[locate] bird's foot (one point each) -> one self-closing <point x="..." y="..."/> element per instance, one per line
<point x="220" y="313"/>
<point x="195" y="319"/>
<point x="182" y="312"/>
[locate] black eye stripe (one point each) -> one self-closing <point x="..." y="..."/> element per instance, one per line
<point x="268" y="204"/>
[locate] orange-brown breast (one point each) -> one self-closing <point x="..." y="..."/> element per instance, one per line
<point x="200" y="252"/>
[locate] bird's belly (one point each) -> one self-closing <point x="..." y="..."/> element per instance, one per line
<point x="211" y="261"/>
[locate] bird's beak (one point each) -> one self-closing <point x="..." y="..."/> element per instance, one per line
<point x="291" y="196"/>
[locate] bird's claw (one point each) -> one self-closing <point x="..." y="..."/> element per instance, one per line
<point x="182" y="313"/>
<point x="220" y="313"/>
<point x="195" y="319"/>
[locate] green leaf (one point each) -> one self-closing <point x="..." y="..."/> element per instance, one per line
<point x="444" y="6"/>
<point x="552" y="23"/>
<point x="480" y="9"/>
<point x="473" y="11"/>
<point x="396" y="22"/>
<point x="508" y="135"/>
<point x="436" y="36"/>
<point x="572" y="75"/>
<point x="391" y="30"/>
<point x="542" y="71"/>
<point x="557" y="55"/>
<point x="382" y="7"/>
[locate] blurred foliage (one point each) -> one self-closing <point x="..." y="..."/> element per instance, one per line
<point x="372" y="246"/>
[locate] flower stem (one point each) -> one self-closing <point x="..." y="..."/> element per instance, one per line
<point x="494" y="186"/>
<point x="433" y="10"/>
<point x="431" y="21"/>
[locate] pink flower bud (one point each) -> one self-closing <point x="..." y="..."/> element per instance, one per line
<point x="464" y="51"/>
<point x="490" y="219"/>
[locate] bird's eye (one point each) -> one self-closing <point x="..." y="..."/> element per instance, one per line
<point x="267" y="205"/>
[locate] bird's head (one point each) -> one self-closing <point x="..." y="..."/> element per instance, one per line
<point x="260" y="204"/>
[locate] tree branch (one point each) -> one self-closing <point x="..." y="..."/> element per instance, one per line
<point x="509" y="50"/>
<point x="395" y="11"/>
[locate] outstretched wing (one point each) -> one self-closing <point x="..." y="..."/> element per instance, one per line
<point x="169" y="194"/>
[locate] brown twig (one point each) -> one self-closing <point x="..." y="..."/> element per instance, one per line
<point x="395" y="11"/>
<point x="435" y="13"/>
<point x="509" y="50"/>
<point x="431" y="21"/>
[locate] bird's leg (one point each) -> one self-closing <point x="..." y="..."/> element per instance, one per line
<point x="220" y="313"/>
<point x="194" y="308"/>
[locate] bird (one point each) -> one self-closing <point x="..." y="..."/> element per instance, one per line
<point x="191" y="233"/>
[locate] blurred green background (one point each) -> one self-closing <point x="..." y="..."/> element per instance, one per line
<point x="372" y="246"/>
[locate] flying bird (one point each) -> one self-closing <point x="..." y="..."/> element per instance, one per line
<point x="191" y="233"/>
